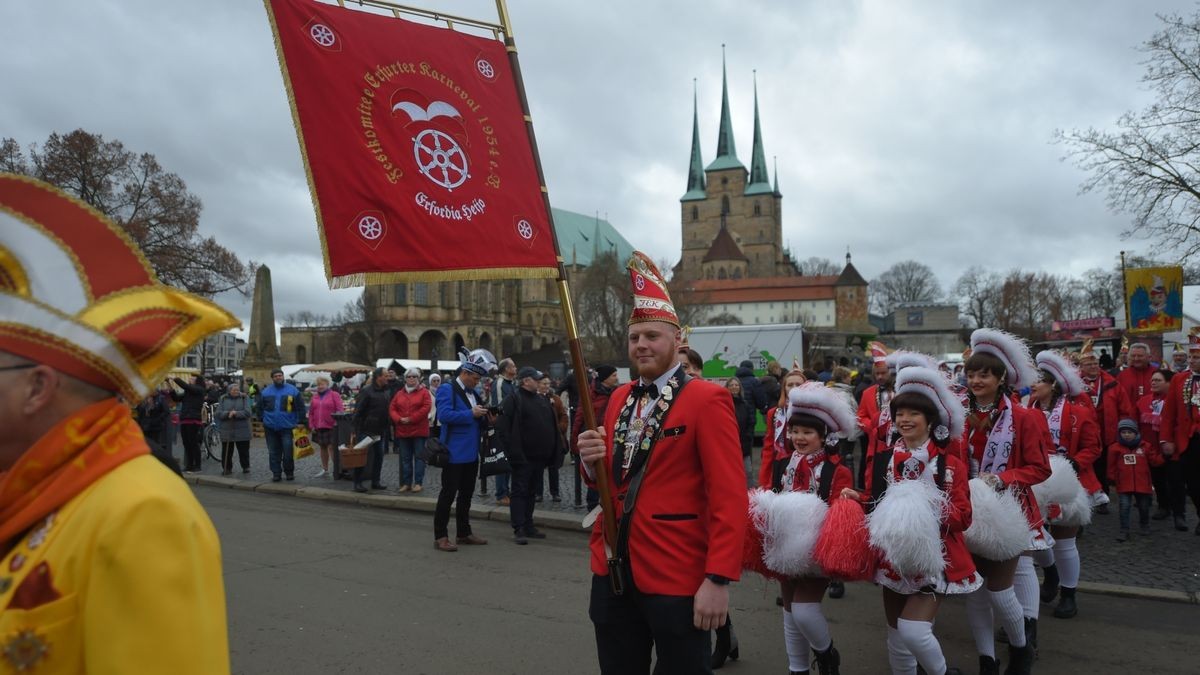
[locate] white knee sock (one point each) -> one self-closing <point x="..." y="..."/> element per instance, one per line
<point x="1044" y="558"/>
<point x="979" y="619"/>
<point x="918" y="637"/>
<point x="795" y="644"/>
<point x="902" y="661"/>
<point x="1007" y="609"/>
<point x="1067" y="558"/>
<point x="1025" y="583"/>
<point x="812" y="624"/>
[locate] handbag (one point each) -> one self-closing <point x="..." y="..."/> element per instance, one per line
<point x="435" y="453"/>
<point x="301" y="444"/>
<point x="355" y="457"/>
<point x="493" y="462"/>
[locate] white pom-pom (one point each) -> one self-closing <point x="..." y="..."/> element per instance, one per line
<point x="999" y="529"/>
<point x="1063" y="488"/>
<point x="792" y="525"/>
<point x="906" y="527"/>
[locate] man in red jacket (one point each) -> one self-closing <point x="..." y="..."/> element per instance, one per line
<point x="1111" y="405"/>
<point x="1135" y="378"/>
<point x="680" y="501"/>
<point x="876" y="430"/>
<point x="1179" y="435"/>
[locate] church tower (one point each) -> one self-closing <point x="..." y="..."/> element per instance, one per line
<point x="728" y="213"/>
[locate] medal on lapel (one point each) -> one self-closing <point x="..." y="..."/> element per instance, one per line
<point x="25" y="650"/>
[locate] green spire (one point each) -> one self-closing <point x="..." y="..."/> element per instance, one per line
<point x="759" y="180"/>
<point x="726" y="153"/>
<point x="695" y="184"/>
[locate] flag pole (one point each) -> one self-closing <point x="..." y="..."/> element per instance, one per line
<point x="600" y="469"/>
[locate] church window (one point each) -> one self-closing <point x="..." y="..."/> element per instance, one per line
<point x="695" y="214"/>
<point x="758" y="212"/>
<point x="401" y="295"/>
<point x="721" y="273"/>
<point x="737" y="273"/>
<point x="724" y="180"/>
<point x="420" y="294"/>
<point x="725" y="205"/>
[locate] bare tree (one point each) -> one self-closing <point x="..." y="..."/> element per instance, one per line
<point x="1149" y="167"/>
<point x="816" y="266"/>
<point x="978" y="292"/>
<point x="906" y="281"/>
<point x="724" y="319"/>
<point x="306" y="319"/>
<point x="150" y="203"/>
<point x="603" y="305"/>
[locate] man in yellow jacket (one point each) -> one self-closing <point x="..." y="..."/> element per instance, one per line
<point x="108" y="564"/>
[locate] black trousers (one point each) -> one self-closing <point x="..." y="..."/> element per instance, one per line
<point x="458" y="484"/>
<point x="375" y="461"/>
<point x="627" y="626"/>
<point x="243" y="451"/>
<point x="1183" y="475"/>
<point x="1162" y="487"/>
<point x="526" y="477"/>
<point x="191" y="434"/>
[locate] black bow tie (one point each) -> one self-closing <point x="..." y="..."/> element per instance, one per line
<point x="640" y="390"/>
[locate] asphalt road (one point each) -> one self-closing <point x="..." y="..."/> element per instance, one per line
<point x="315" y="587"/>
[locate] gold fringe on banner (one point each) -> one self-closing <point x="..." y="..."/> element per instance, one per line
<point x="480" y="274"/>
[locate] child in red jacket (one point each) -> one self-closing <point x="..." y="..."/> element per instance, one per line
<point x="1129" y="462"/>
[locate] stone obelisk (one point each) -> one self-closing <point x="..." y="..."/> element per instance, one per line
<point x="262" y="352"/>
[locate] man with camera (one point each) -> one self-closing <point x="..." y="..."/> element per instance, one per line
<point x="530" y="439"/>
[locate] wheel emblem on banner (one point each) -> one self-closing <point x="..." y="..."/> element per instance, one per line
<point x="485" y="69"/>
<point x="370" y="228"/>
<point x="525" y="229"/>
<point x="640" y="283"/>
<point x="440" y="159"/>
<point x="322" y="35"/>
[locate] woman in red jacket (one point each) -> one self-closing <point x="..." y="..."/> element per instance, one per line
<point x="817" y="419"/>
<point x="1006" y="448"/>
<point x="409" y="411"/>
<point x="1074" y="435"/>
<point x="927" y="415"/>
<point x="775" y="453"/>
<point x="1149" y="418"/>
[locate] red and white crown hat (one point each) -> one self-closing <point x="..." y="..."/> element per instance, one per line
<point x="879" y="351"/>
<point x="931" y="384"/>
<point x="1011" y="350"/>
<point x="827" y="405"/>
<point x="651" y="301"/>
<point x="1065" y="372"/>
<point x="76" y="294"/>
<point x="1194" y="339"/>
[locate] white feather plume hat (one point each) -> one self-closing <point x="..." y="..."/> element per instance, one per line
<point x="1063" y="370"/>
<point x="825" y="404"/>
<point x="1011" y="350"/>
<point x="933" y="385"/>
<point x="903" y="358"/>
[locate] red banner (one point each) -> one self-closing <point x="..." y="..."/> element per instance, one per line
<point x="415" y="146"/>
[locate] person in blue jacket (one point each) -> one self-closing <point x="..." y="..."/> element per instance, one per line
<point x="464" y="420"/>
<point x="282" y="410"/>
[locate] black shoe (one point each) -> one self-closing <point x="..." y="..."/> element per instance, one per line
<point x="1066" y="604"/>
<point x="534" y="533"/>
<point x="828" y="661"/>
<point x="1123" y="536"/>
<point x="1161" y="514"/>
<point x="519" y="539"/>
<point x="1020" y="660"/>
<point x="378" y="486"/>
<point x="358" y="487"/>
<point x="1031" y="635"/>
<point x="1180" y="524"/>
<point x="246" y="470"/>
<point x="1102" y="509"/>
<point x="988" y="666"/>
<point x="276" y="478"/>
<point x="726" y="645"/>
<point x="556" y="498"/>
<point x="291" y="476"/>
<point x="837" y="589"/>
<point x="1049" y="583"/>
<point x="537" y="498"/>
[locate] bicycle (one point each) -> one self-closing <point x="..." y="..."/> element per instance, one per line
<point x="211" y="436"/>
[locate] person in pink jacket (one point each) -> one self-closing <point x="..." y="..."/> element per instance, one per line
<point x="325" y="402"/>
<point x="410" y="427"/>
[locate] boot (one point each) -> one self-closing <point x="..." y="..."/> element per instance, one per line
<point x="1123" y="536"/>
<point x="1049" y="583"/>
<point x="1066" y="604"/>
<point x="828" y="661"/>
<point x="1031" y="635"/>
<point x="988" y="666"/>
<point x="1020" y="660"/>
<point x="1180" y="524"/>
<point x="359" y="487"/>
<point x="726" y="646"/>
<point x="1161" y="514"/>
<point x="837" y="589"/>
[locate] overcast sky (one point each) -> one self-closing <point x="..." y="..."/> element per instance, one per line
<point x="902" y="129"/>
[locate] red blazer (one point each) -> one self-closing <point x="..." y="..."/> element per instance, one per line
<point x="1133" y="478"/>
<point x="1179" y="421"/>
<point x="1081" y="437"/>
<point x="769" y="450"/>
<point x="868" y="421"/>
<point x="1136" y="383"/>
<point x="955" y="520"/>
<point x="1114" y="406"/>
<point x="1149" y="417"/>
<point x="691" y="513"/>
<point x="1029" y="462"/>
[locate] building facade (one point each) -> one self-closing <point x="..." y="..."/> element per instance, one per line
<point x="220" y="353"/>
